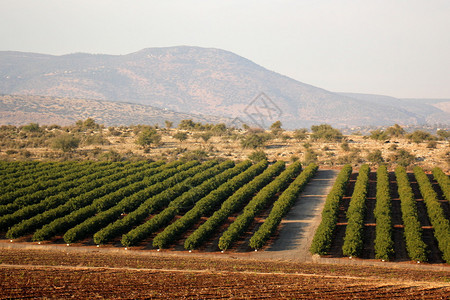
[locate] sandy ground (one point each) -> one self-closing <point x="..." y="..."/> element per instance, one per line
<point x="299" y="225"/>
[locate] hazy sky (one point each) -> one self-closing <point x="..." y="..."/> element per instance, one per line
<point x="390" y="47"/>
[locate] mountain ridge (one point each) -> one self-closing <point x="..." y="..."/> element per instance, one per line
<point x="206" y="81"/>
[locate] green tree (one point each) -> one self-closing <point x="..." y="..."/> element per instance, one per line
<point x="375" y="157"/>
<point x="257" y="156"/>
<point x="65" y="142"/>
<point x="403" y="158"/>
<point x="206" y="136"/>
<point x="147" y="137"/>
<point x="420" y="136"/>
<point x="395" y="131"/>
<point x="186" y="124"/>
<point x="301" y="134"/>
<point x="345" y="146"/>
<point x="276" y="128"/>
<point x="325" y="132"/>
<point x="169" y="124"/>
<point x="378" y="135"/>
<point x="310" y="157"/>
<point x="443" y="134"/>
<point x="182" y="136"/>
<point x="32" y="127"/>
<point x="254" y="140"/>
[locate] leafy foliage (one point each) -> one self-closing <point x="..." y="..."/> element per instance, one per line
<point x="417" y="249"/>
<point x="281" y="207"/>
<point x="353" y="240"/>
<point x="323" y="237"/>
<point x="384" y="245"/>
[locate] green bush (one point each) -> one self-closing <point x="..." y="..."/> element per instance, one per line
<point x="384" y="245"/>
<point x="323" y="237"/>
<point x="259" y="201"/>
<point x="436" y="214"/>
<point x="353" y="240"/>
<point x="417" y="249"/>
<point x="232" y="205"/>
<point x="281" y="207"/>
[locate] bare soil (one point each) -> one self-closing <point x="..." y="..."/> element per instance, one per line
<point x="129" y="275"/>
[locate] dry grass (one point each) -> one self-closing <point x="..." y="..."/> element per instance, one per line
<point x="329" y="154"/>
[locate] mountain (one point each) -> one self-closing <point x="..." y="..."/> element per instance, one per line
<point x="422" y="111"/>
<point x="201" y="81"/>
<point x="47" y="110"/>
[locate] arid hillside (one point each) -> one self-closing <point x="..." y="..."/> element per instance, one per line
<point x="204" y="81"/>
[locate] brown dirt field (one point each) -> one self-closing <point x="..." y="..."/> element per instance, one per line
<point x="128" y="275"/>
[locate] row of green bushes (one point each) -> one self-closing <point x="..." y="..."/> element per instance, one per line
<point x="259" y="202"/>
<point x="443" y="181"/>
<point x="205" y="205"/>
<point x="436" y="214"/>
<point x="34" y="180"/>
<point x="324" y="234"/>
<point x="181" y="204"/>
<point x="281" y="207"/>
<point x="61" y="205"/>
<point x="157" y="202"/>
<point x="384" y="245"/>
<point x="104" y="202"/>
<point x="89" y="183"/>
<point x="111" y="210"/>
<point x="417" y="249"/>
<point x="26" y="173"/>
<point x="353" y="239"/>
<point x="35" y="193"/>
<point x="232" y="205"/>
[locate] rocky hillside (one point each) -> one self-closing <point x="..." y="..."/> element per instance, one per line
<point x="200" y="81"/>
<point x="46" y="110"/>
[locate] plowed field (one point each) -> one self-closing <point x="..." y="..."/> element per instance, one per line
<point x="61" y="274"/>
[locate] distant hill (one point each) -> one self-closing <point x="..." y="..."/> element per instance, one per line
<point x="422" y="111"/>
<point x="47" y="110"/>
<point x="202" y="81"/>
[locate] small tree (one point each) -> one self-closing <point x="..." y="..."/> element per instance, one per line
<point x="276" y="128"/>
<point x="325" y="132"/>
<point x="301" y="134"/>
<point x="257" y="156"/>
<point x="147" y="137"/>
<point x="378" y="135"/>
<point x="65" y="142"/>
<point x="345" y="146"/>
<point x="395" y="131"/>
<point x="310" y="157"/>
<point x="420" y="136"/>
<point x="32" y="127"/>
<point x="181" y="136"/>
<point x="375" y="157"/>
<point x="186" y="124"/>
<point x="206" y="136"/>
<point x="254" y="140"/>
<point x="169" y="124"/>
<point x="443" y="134"/>
<point x="403" y="158"/>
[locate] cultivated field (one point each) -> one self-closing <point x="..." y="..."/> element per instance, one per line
<point x="145" y="216"/>
<point x="130" y="275"/>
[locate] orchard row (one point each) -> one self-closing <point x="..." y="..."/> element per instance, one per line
<point x="136" y="201"/>
<point x="412" y="223"/>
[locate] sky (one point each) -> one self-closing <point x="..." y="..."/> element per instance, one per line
<point x="399" y="48"/>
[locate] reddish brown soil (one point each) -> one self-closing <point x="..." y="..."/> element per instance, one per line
<point x="60" y="274"/>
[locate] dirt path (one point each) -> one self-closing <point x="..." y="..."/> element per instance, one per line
<point x="299" y="225"/>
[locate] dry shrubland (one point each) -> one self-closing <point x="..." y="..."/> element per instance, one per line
<point x="189" y="140"/>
